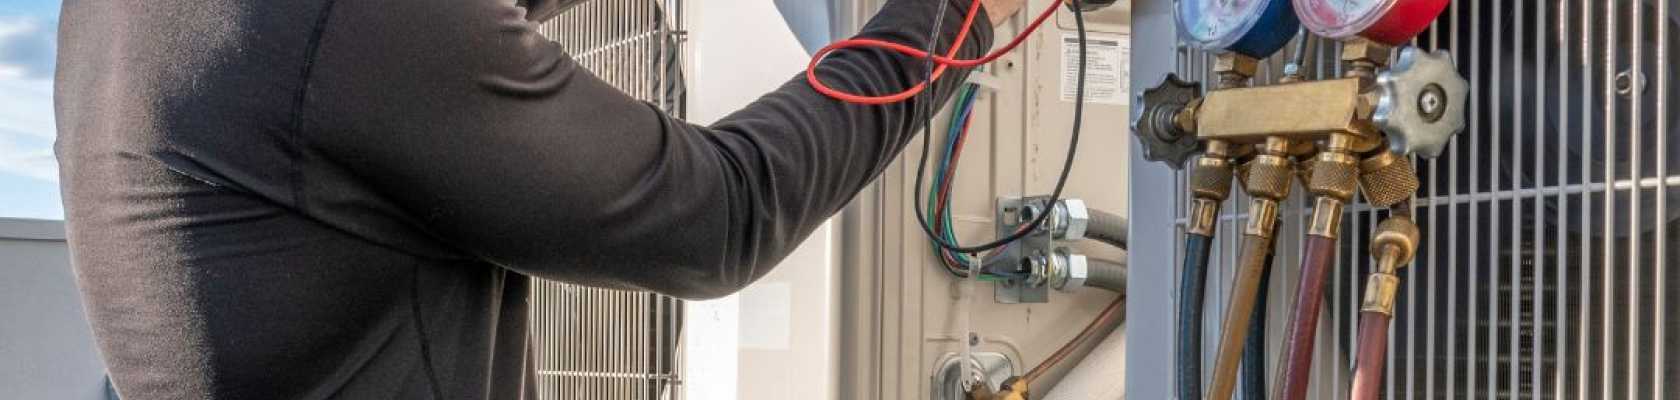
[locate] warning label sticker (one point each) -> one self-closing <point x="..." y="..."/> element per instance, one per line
<point x="1107" y="76"/>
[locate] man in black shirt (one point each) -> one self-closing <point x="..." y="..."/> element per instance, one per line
<point x="322" y="198"/>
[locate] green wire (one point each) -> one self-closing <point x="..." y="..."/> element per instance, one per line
<point x="959" y="117"/>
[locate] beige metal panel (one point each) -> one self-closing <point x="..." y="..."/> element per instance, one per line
<point x="1016" y="146"/>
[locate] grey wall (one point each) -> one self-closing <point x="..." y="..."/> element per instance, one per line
<point x="46" y="347"/>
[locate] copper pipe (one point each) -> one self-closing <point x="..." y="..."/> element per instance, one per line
<point x="1110" y="317"/>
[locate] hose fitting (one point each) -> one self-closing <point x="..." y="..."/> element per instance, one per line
<point x="1388" y="179"/>
<point x="1394" y="246"/>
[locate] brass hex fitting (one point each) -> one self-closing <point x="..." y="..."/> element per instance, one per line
<point x="1362" y="57"/>
<point x="1185" y="119"/>
<point x="1234" y="69"/>
<point x="1387" y="179"/>
<point x="1359" y="49"/>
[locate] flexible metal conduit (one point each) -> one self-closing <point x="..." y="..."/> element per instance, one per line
<point x="1107" y="227"/>
<point x="1106" y="274"/>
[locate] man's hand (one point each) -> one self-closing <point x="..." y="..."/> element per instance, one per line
<point x="1001" y="10"/>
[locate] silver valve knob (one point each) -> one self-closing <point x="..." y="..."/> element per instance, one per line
<point x="1153" y="124"/>
<point x="1421" y="102"/>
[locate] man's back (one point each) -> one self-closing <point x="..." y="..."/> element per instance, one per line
<point x="203" y="275"/>
<point x="344" y="199"/>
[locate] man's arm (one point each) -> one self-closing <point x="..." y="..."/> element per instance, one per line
<point x="501" y="145"/>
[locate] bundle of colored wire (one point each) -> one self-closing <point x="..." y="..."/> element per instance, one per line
<point x="944" y="175"/>
<point x="1067" y="162"/>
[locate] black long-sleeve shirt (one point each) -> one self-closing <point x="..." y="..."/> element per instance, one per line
<point x="323" y="198"/>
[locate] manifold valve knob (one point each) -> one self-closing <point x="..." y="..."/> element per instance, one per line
<point x="1421" y="102"/>
<point x="1153" y="121"/>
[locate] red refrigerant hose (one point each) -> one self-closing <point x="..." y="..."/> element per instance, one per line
<point x="1373" y="348"/>
<point x="1301" y="333"/>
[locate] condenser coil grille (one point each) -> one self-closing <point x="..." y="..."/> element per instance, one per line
<point x="591" y="343"/>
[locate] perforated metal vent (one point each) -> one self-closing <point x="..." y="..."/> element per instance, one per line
<point x="594" y="343"/>
<point x="1547" y="226"/>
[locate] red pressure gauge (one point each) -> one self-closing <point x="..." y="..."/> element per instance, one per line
<point x="1392" y="22"/>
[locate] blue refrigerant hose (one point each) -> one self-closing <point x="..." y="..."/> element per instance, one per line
<point x="1191" y="284"/>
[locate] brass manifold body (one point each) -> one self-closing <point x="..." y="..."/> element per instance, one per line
<point x="1336" y="113"/>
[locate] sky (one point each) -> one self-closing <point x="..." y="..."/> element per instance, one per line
<point x="28" y="172"/>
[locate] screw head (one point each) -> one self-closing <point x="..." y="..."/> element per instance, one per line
<point x="1432" y="103"/>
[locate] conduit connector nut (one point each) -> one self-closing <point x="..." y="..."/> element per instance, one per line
<point x="1038" y="269"/>
<point x="1068" y="270"/>
<point x="1069" y="220"/>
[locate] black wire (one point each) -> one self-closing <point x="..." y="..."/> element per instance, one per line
<point x="1067" y="164"/>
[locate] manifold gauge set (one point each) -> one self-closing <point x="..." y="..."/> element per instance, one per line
<point x="1353" y="134"/>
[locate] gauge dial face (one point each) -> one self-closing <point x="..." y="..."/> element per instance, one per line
<point x="1340" y="19"/>
<point x="1215" y="24"/>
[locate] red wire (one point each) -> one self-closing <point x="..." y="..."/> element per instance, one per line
<point x="943" y="62"/>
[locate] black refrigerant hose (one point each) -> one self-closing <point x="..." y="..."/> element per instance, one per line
<point x="1191" y="283"/>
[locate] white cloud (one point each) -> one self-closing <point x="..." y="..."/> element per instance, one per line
<point x="26" y="107"/>
<point x="27" y="48"/>
<point x="35" y="162"/>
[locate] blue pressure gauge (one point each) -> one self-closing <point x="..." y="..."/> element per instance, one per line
<point x="1254" y="28"/>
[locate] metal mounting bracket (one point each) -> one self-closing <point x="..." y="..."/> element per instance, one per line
<point x="1019" y="288"/>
